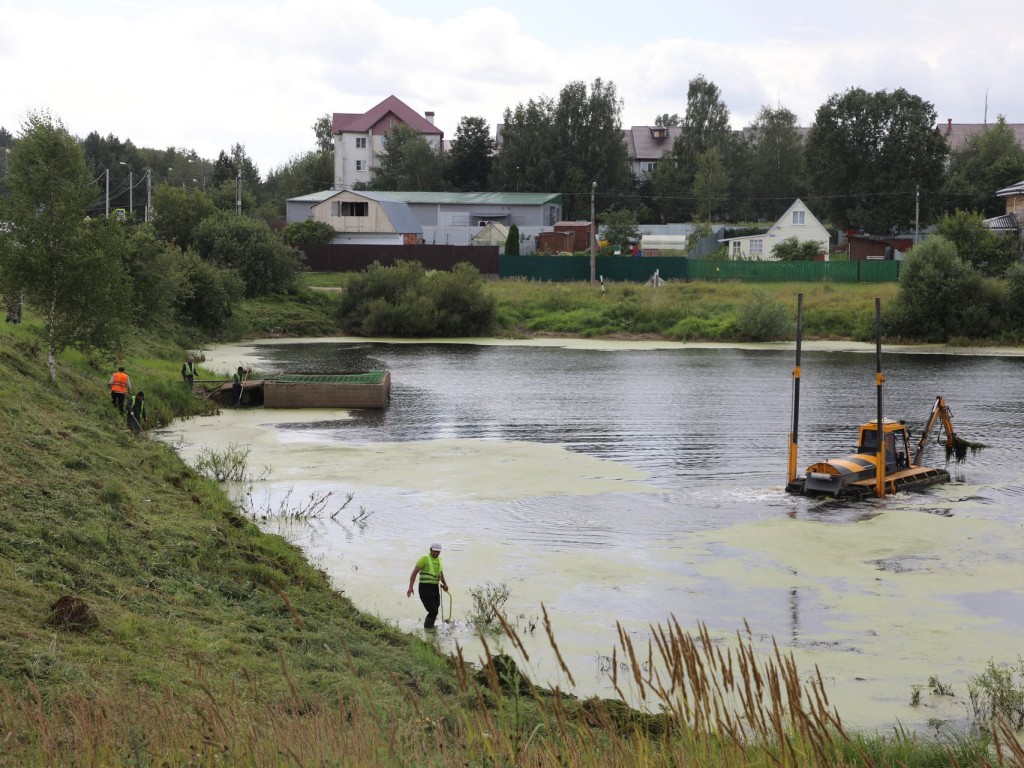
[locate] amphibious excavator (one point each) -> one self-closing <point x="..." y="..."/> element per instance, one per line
<point x="883" y="462"/>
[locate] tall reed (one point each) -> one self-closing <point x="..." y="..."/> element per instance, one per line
<point x="705" y="703"/>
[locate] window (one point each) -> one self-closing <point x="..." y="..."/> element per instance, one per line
<point x="360" y="165"/>
<point x="798" y="218"/>
<point x="361" y="142"/>
<point x="651" y="167"/>
<point x="355" y="209"/>
<point x="756" y="246"/>
<point x="736" y="249"/>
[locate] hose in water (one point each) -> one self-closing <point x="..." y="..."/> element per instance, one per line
<point x="447" y="619"/>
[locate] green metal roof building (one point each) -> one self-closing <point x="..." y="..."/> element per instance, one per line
<point x="454" y="218"/>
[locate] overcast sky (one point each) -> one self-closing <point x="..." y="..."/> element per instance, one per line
<point x="206" y="74"/>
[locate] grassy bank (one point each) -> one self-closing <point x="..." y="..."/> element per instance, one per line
<point x="147" y="622"/>
<point x="679" y="311"/>
<point x="694" y="311"/>
<point x="168" y="591"/>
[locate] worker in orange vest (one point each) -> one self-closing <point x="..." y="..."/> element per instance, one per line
<point x="120" y="385"/>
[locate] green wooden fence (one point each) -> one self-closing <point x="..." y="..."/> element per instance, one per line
<point x="640" y="270"/>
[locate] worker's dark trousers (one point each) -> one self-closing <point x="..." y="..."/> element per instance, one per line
<point x="118" y="399"/>
<point x="430" y="596"/>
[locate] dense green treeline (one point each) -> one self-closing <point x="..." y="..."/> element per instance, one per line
<point x="874" y="161"/>
<point x="96" y="280"/>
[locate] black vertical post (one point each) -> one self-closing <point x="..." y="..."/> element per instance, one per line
<point x="793" y="439"/>
<point x="879" y="381"/>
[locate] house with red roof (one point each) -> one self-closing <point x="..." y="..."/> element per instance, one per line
<point x="360" y="137"/>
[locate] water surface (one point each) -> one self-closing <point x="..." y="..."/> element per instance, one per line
<point x="634" y="485"/>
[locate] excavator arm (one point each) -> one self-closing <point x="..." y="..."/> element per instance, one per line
<point x="940" y="412"/>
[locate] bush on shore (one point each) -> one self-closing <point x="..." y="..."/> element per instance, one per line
<point x="407" y="301"/>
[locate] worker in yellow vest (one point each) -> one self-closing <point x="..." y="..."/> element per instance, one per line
<point x="432" y="581"/>
<point x="120" y="385"/>
<point x="137" y="412"/>
<point x="188" y="371"/>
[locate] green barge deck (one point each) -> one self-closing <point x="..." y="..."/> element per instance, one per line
<point x="363" y="389"/>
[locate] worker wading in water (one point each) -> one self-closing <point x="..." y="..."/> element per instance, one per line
<point x="432" y="581"/>
<point x="236" y="387"/>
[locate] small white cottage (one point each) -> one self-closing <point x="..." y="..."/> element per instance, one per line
<point x="796" y="222"/>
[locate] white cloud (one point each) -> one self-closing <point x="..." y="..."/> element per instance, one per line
<point x="205" y="75"/>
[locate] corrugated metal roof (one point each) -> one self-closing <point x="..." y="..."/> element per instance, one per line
<point x="1013" y="189"/>
<point x="397" y="211"/>
<point x="476" y="198"/>
<point x="313" y="197"/>
<point x="499" y="199"/>
<point x="1006" y="221"/>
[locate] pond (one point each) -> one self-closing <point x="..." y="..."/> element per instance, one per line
<point x="643" y="483"/>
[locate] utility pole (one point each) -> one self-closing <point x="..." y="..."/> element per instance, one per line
<point x="107" y="173"/>
<point x="593" y="237"/>
<point x="238" y="192"/>
<point x="917" y="212"/>
<point x="131" y="190"/>
<point x="149" y="192"/>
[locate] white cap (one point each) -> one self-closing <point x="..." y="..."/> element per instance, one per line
<point x="435" y="547"/>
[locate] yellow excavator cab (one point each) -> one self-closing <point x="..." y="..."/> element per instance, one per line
<point x="897" y="441"/>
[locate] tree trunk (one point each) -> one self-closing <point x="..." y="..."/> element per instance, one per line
<point x="52" y="337"/>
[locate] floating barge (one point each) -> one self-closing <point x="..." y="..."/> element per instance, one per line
<point x="363" y="389"/>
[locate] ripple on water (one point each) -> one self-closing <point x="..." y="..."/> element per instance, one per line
<point x="718" y="540"/>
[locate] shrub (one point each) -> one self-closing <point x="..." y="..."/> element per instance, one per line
<point x="208" y="293"/>
<point x="512" y="241"/>
<point x="231" y="464"/>
<point x="309" y="232"/>
<point x="792" y="249"/>
<point x="488" y="601"/>
<point x="1015" y="295"/>
<point x="763" y="318"/>
<point x="262" y="259"/>
<point x="407" y="301"/>
<point x="941" y="297"/>
<point x="978" y="245"/>
<point x="998" y="692"/>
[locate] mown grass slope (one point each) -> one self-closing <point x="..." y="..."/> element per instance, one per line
<point x="174" y="590"/>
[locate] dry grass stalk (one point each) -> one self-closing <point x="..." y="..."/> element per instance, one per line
<point x="717" y="707"/>
<point x="554" y="645"/>
<point x="291" y="608"/>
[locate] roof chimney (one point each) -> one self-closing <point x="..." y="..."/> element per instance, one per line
<point x="430" y="117"/>
<point x="949" y="125"/>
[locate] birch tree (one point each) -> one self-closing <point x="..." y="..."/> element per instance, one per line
<point x="68" y="268"/>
